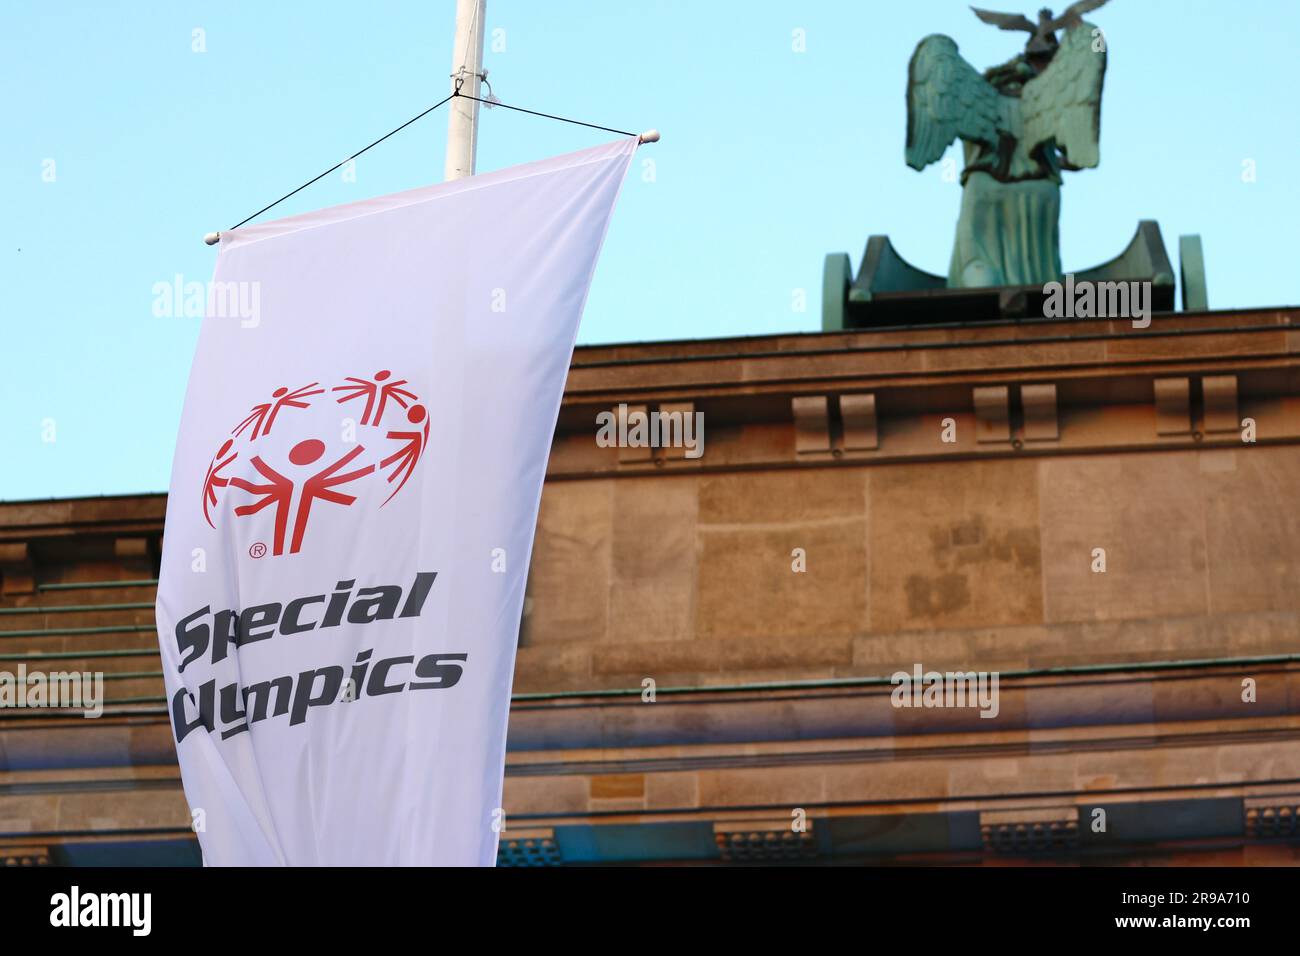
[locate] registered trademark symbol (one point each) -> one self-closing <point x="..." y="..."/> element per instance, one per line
<point x="257" y="551"/>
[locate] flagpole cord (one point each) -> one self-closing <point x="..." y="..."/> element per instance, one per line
<point x="650" y="136"/>
<point x="563" y="119"/>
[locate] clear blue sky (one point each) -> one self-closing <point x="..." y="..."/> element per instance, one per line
<point x="770" y="159"/>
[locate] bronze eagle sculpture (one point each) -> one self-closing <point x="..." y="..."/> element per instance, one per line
<point x="1022" y="123"/>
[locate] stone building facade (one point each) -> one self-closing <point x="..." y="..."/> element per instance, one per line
<point x="1074" y="505"/>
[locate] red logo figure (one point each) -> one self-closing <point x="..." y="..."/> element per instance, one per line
<point x="408" y="456"/>
<point x="380" y="388"/>
<point x="212" y="480"/>
<point x="265" y="413"/>
<point x="280" y="489"/>
<point x="283" y="488"/>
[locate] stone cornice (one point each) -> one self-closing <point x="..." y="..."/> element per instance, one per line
<point x="1102" y="374"/>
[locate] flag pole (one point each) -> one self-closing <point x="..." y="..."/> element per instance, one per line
<point x="467" y="75"/>
<point x="462" y="123"/>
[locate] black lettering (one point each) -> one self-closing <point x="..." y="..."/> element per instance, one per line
<point x="225" y="633"/>
<point x="359" y="670"/>
<point x="261" y="693"/>
<point x="380" y="672"/>
<point x="419" y="591"/>
<point x="181" y="726"/>
<point x="208" y="704"/>
<point x="439" y="673"/>
<point x="192" y="638"/>
<point x="264" y="615"/>
<point x="382" y="607"/>
<point x="303" y="697"/>
<point x="230" y="711"/>
<point x="290" y="624"/>
<point x="338" y="601"/>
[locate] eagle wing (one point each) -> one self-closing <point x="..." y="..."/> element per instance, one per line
<point x="1062" y="105"/>
<point x="1006" y="21"/>
<point x="947" y="99"/>
<point x="1074" y="13"/>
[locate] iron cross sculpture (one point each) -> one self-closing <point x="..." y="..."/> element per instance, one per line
<point x="1021" y="124"/>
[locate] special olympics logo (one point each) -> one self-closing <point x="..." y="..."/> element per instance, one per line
<point x="385" y="448"/>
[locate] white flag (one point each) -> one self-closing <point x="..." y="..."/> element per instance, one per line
<point x="352" y="508"/>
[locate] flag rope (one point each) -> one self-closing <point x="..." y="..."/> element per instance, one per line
<point x="455" y="93"/>
<point x="348" y="160"/>
<point x="562" y="119"/>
